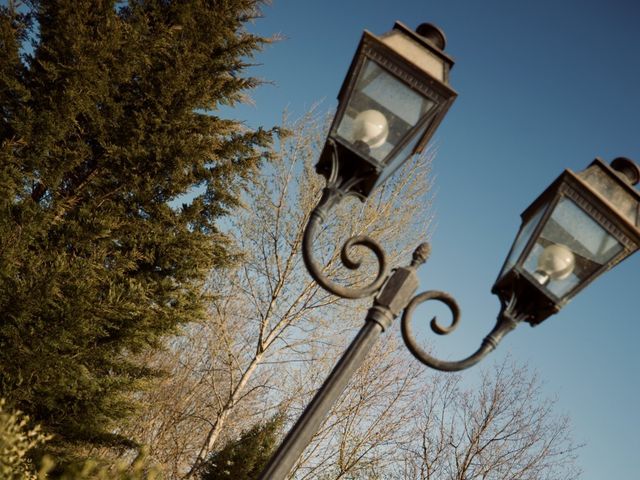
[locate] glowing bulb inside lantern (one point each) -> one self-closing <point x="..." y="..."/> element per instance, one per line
<point x="556" y="262"/>
<point x="371" y="127"/>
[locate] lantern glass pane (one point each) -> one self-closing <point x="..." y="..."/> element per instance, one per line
<point x="398" y="160"/>
<point x="570" y="249"/>
<point x="381" y="111"/>
<point x="522" y="239"/>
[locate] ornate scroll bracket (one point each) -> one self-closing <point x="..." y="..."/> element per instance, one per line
<point x="394" y="297"/>
<point x="508" y="318"/>
<point x="336" y="189"/>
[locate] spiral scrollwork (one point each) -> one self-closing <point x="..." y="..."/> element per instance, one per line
<point x="506" y="322"/>
<point x="347" y="259"/>
<point x="336" y="189"/>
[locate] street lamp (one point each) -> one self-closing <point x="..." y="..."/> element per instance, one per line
<point x="394" y="96"/>
<point x="581" y="226"/>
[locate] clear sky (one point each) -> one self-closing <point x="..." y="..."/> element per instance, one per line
<point x="543" y="85"/>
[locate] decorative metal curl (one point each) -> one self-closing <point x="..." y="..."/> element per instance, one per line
<point x="336" y="189"/>
<point x="507" y="320"/>
<point x="316" y="219"/>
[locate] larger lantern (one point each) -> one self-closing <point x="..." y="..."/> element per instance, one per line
<point x="393" y="98"/>
<point x="581" y="226"/>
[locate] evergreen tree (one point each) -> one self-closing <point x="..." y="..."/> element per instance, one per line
<point x="101" y="128"/>
<point x="245" y="458"/>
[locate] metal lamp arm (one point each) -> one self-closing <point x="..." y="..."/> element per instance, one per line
<point x="338" y="186"/>
<point x="507" y="321"/>
<point x="330" y="197"/>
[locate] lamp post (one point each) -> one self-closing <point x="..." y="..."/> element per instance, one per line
<point x="395" y="95"/>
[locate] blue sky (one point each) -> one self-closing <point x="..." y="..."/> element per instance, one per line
<point x="543" y="85"/>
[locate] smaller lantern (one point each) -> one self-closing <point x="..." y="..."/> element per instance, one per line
<point x="395" y="95"/>
<point x="580" y="227"/>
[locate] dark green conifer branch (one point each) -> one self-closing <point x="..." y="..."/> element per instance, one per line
<point x="101" y="126"/>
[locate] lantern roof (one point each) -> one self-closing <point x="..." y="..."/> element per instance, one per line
<point x="610" y="186"/>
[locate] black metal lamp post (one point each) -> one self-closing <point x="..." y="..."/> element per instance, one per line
<point x="395" y="95"/>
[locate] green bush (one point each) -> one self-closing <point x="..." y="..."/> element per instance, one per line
<point x="94" y="470"/>
<point x="18" y="438"/>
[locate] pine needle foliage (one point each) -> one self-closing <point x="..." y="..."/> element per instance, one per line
<point x="102" y="127"/>
<point x="246" y="457"/>
<point x="17" y="439"/>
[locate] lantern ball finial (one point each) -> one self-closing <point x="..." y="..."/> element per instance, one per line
<point x="628" y="168"/>
<point x="432" y="34"/>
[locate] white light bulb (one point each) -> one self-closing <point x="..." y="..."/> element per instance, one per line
<point x="556" y="262"/>
<point x="371" y="127"/>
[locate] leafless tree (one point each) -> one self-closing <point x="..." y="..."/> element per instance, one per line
<point x="369" y="422"/>
<point x="273" y="333"/>
<point x="502" y="429"/>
